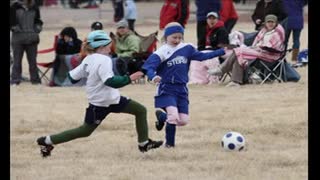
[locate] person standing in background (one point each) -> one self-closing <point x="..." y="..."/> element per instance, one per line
<point x="265" y="7"/>
<point x="228" y="14"/>
<point x="118" y="10"/>
<point x="203" y="8"/>
<point x="294" y="9"/>
<point x="130" y="13"/>
<point x="25" y="24"/>
<point x="174" y="11"/>
<point x="91" y="4"/>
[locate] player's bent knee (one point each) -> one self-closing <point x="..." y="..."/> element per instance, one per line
<point x="183" y="122"/>
<point x="183" y="119"/>
<point x="172" y="119"/>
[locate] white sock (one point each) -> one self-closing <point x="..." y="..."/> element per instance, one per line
<point x="48" y="140"/>
<point x="143" y="143"/>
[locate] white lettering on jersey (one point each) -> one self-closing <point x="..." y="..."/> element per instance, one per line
<point x="177" y="60"/>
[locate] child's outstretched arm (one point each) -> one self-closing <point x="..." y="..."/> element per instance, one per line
<point x="150" y="67"/>
<point x="198" y="55"/>
<point x="120" y="81"/>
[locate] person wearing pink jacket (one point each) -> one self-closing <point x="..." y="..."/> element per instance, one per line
<point x="267" y="46"/>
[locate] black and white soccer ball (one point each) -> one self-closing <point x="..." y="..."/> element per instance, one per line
<point x="233" y="141"/>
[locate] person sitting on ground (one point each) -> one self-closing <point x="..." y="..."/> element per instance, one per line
<point x="68" y="48"/>
<point x="216" y="38"/>
<point x="267" y="46"/>
<point x="216" y="34"/>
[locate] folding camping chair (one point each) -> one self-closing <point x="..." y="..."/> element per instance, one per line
<point x="148" y="45"/>
<point x="47" y="65"/>
<point x="270" y="71"/>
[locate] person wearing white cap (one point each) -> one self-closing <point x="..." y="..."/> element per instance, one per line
<point x="169" y="67"/>
<point x="203" y="8"/>
<point x="216" y="34"/>
<point x="103" y="96"/>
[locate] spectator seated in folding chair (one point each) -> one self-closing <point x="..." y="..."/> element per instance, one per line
<point x="67" y="57"/>
<point x="130" y="49"/>
<point x="267" y="46"/>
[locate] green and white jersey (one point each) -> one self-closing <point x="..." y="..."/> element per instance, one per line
<point x="97" y="68"/>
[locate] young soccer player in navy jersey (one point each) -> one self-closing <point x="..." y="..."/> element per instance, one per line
<point x="168" y="67"/>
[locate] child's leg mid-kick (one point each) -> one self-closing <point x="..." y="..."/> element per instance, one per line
<point x="172" y="118"/>
<point x="46" y="142"/>
<point x="94" y="116"/>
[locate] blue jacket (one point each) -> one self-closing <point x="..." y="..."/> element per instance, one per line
<point x="294" y="10"/>
<point x="206" y="6"/>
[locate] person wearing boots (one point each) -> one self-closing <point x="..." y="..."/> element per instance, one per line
<point x="294" y="9"/>
<point x="25" y="24"/>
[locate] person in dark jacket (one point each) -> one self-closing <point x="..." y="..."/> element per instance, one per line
<point x="118" y="10"/>
<point x="294" y="9"/>
<point x="68" y="42"/>
<point x="216" y="34"/>
<point x="68" y="47"/>
<point x="265" y="7"/>
<point x="25" y="24"/>
<point x="203" y="8"/>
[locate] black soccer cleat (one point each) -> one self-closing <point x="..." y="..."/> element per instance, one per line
<point x="45" y="149"/>
<point x="159" y="123"/>
<point x="150" y="145"/>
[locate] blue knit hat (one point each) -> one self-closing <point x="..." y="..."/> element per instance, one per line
<point x="98" y="38"/>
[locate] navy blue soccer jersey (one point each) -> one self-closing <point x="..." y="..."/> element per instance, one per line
<point x="172" y="63"/>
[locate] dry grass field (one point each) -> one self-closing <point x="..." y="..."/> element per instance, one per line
<point x="272" y="117"/>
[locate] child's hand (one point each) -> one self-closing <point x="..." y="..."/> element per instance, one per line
<point x="136" y="75"/>
<point x="156" y="79"/>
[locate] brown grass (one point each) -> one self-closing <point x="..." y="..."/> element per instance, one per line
<point x="272" y="118"/>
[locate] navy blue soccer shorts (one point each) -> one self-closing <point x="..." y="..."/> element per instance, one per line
<point x="96" y="114"/>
